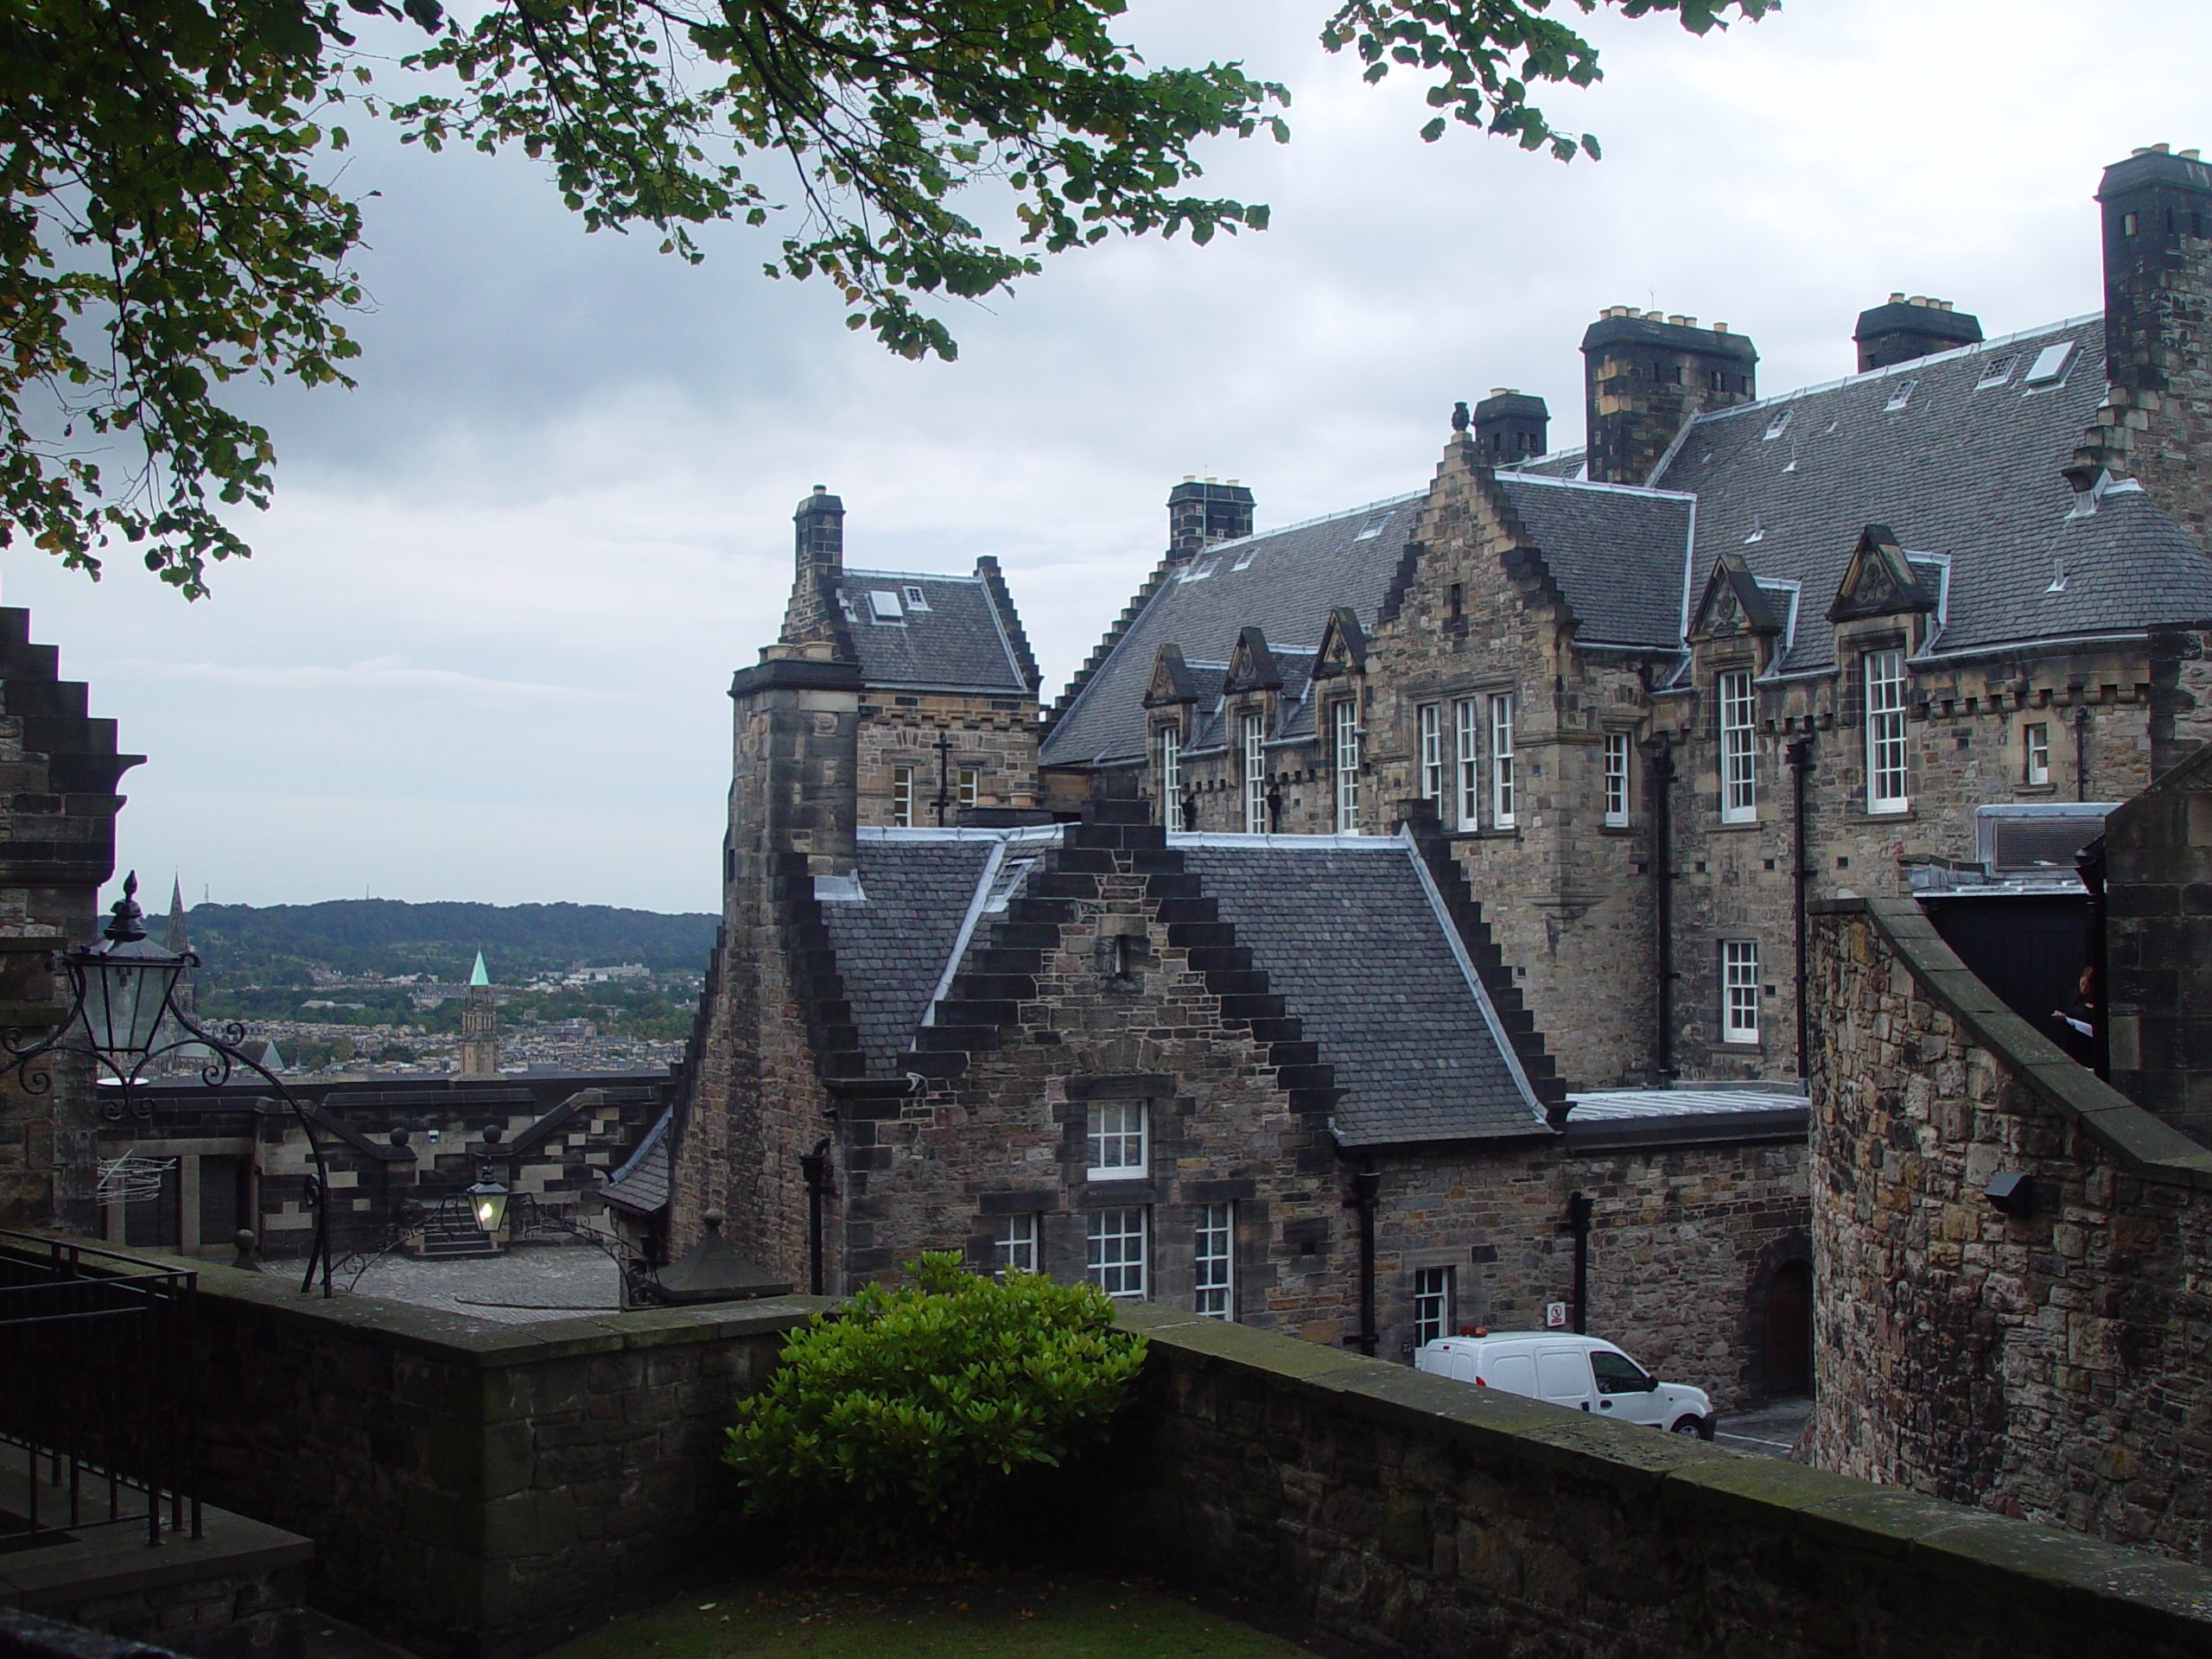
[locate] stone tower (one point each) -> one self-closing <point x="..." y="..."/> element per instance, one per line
<point x="1644" y="374"/>
<point x="480" y="1022"/>
<point x="2156" y="425"/>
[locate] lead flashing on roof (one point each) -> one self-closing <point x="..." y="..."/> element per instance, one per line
<point x="1646" y="489"/>
<point x="1040" y="833"/>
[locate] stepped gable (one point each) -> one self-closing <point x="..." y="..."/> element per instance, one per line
<point x="957" y="641"/>
<point x="1617" y="554"/>
<point x="60" y="816"/>
<point x="1962" y="457"/>
<point x="1349" y="936"/>
<point x="1290" y="580"/>
<point x="895" y="925"/>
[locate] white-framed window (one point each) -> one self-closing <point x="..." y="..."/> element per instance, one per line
<point x="966" y="785"/>
<point x="1431" y="1304"/>
<point x="1253" y="728"/>
<point x="1113" y="1249"/>
<point x="1467" y="727"/>
<point x="1501" y="761"/>
<point x="1171" y="776"/>
<point x="902" y="797"/>
<point x="1429" y="720"/>
<point x="1015" y="1249"/>
<point x="1115" y="1139"/>
<point x="1738" y="795"/>
<point x="1886" y="740"/>
<point x="1213" y="1259"/>
<point x="1739" y="991"/>
<point x="1344" y="723"/>
<point x="1615" y="779"/>
<point x="2035" y="746"/>
<point x="916" y="600"/>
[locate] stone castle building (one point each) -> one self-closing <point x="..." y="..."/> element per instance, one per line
<point x="1400" y="910"/>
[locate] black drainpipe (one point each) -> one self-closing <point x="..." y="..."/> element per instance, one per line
<point x="815" y="1165"/>
<point x="1662" y="873"/>
<point x="1366" y="1189"/>
<point x="1579" y="1205"/>
<point x="1801" y="768"/>
<point x="2081" y="751"/>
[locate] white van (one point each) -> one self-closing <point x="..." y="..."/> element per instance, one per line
<point x="1569" y="1370"/>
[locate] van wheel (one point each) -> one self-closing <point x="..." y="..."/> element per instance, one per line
<point x="1697" y="1426"/>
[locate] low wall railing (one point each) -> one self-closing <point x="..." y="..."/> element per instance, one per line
<point x="100" y="1416"/>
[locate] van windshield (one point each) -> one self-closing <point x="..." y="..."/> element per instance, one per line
<point x="1619" y="1374"/>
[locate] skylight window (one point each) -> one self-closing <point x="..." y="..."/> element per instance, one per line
<point x="1777" y="426"/>
<point x="1903" y="395"/>
<point x="1245" y="559"/>
<point x="1997" y="371"/>
<point x="916" y="600"/>
<point x="883" y="604"/>
<point x="1372" y="528"/>
<point x="1201" y="572"/>
<point x="2050" y="366"/>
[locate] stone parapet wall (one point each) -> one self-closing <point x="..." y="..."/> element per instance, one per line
<point x="476" y="1489"/>
<point x="1409" y="1514"/>
<point x="2051" y="1362"/>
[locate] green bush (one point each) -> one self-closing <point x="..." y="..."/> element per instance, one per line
<point x="893" y="1424"/>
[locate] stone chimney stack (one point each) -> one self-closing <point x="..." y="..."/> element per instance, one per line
<point x="1510" y="426"/>
<point x="1643" y="374"/>
<point x="1906" y="328"/>
<point x="2156" y="422"/>
<point x="1200" y="514"/>
<point x="819" y="532"/>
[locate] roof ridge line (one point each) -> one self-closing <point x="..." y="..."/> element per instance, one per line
<point x="1889" y="370"/>
<point x="1651" y="491"/>
<point x="922" y="575"/>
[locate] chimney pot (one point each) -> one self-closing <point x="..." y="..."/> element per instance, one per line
<point x="1896" y="297"/>
<point x="1655" y="316"/>
<point x="2192" y="155"/>
<point x="1719" y="328"/>
<point x="2140" y="149"/>
<point x="2162" y="149"/>
<point x="822" y="489"/>
<point x="1503" y="391"/>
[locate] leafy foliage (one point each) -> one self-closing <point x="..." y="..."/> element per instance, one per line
<point x="891" y="1426"/>
<point x="169" y="220"/>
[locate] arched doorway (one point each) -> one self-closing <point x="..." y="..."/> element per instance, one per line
<point x="1790" y="1331"/>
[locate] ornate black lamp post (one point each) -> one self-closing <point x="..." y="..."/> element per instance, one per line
<point x="122" y="1001"/>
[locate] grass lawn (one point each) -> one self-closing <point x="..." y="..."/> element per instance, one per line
<point x="1036" y="1616"/>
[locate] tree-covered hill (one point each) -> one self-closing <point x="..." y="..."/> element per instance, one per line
<point x="278" y="944"/>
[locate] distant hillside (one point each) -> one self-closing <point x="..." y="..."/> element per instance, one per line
<point x="277" y="944"/>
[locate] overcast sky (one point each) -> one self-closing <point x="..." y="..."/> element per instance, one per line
<point x="482" y="648"/>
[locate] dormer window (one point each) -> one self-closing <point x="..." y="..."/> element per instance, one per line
<point x="916" y="600"/>
<point x="883" y="606"/>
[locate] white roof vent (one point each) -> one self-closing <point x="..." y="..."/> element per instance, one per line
<point x="1998" y="371"/>
<point x="885" y="605"/>
<point x="2050" y="366"/>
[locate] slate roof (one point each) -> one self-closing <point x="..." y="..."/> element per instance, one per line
<point x="1350" y="942"/>
<point x="892" y="941"/>
<point x="958" y="644"/>
<point x="1962" y="467"/>
<point x="642" y="1184"/>
<point x="1293" y="578"/>
<point x="1616" y="553"/>
<point x="1344" y="927"/>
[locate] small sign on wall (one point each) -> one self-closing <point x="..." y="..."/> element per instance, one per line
<point x="1555" y="1316"/>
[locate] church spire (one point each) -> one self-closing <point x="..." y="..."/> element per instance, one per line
<point x="186" y="995"/>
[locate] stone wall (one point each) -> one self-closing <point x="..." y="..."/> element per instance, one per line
<point x="2049" y="1359"/>
<point x="59" y="768"/>
<point x="1408" y="1514"/>
<point x="2159" y="946"/>
<point x="476" y="1489"/>
<point x="1684" y="1238"/>
<point x="994" y="738"/>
